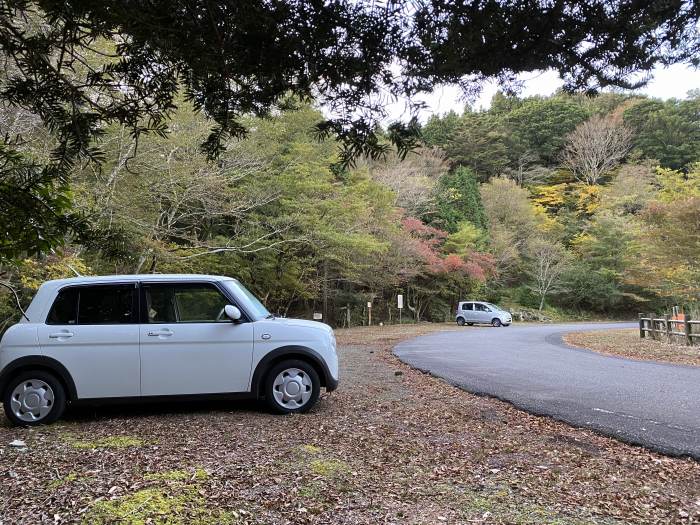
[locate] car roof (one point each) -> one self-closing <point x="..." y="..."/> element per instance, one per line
<point x="94" y="279"/>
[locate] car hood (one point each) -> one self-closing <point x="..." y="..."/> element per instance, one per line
<point x="302" y="323"/>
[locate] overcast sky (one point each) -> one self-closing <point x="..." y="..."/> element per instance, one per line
<point x="672" y="82"/>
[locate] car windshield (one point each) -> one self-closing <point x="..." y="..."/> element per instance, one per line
<point x="252" y="303"/>
<point x="494" y="307"/>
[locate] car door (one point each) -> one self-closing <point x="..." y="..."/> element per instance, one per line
<point x="93" y="331"/>
<point x="482" y="313"/>
<point x="188" y="345"/>
<point x="468" y="312"/>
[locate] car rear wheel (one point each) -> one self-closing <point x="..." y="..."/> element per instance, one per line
<point x="496" y="322"/>
<point x="460" y="321"/>
<point x="34" y="398"/>
<point x="292" y="386"/>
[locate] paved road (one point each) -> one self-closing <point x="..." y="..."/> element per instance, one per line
<point x="651" y="404"/>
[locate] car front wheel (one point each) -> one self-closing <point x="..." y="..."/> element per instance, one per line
<point x="496" y="322"/>
<point x="34" y="398"/>
<point x="292" y="386"/>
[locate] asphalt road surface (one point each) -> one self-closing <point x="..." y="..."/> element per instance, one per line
<point x="645" y="403"/>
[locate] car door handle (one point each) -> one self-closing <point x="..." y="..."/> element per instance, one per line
<point x="60" y="335"/>
<point x="158" y="333"/>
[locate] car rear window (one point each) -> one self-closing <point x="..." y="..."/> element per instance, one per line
<point x="65" y="308"/>
<point x="90" y="305"/>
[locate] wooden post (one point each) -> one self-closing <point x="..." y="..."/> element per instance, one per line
<point x="642" y="333"/>
<point x="667" y="324"/>
<point x="652" y="325"/>
<point x="688" y="327"/>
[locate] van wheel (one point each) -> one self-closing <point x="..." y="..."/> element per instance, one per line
<point x="460" y="321"/>
<point x="291" y="387"/>
<point x="34" y="398"/>
<point x="496" y="322"/>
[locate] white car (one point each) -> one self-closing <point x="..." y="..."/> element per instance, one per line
<point x="472" y="312"/>
<point x="152" y="337"/>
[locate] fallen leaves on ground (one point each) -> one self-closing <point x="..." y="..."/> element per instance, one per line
<point x="627" y="343"/>
<point x="384" y="448"/>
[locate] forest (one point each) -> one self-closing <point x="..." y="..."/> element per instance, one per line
<point x="562" y="206"/>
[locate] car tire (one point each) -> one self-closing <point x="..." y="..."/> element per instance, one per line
<point x="291" y="387"/>
<point x="34" y="398"/>
<point x="470" y="324"/>
<point x="460" y="321"/>
<point x="496" y="322"/>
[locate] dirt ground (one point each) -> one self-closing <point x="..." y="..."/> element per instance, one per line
<point x="627" y="343"/>
<point x="392" y="445"/>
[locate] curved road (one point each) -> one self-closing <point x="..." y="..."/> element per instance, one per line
<point x="646" y="403"/>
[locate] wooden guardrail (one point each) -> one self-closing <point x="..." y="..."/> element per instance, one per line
<point x="668" y="328"/>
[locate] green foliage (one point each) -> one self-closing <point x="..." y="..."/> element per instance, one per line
<point x="458" y="200"/>
<point x="81" y="67"/>
<point x="541" y="124"/>
<point x="439" y="130"/>
<point x="667" y="131"/>
<point x="305" y="237"/>
<point x="479" y="143"/>
<point x="466" y="239"/>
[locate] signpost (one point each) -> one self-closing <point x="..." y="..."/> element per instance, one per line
<point x="399" y="301"/>
<point x="369" y="312"/>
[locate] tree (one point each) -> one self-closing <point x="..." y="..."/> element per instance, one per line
<point x="512" y="218"/>
<point x="549" y="262"/>
<point x="479" y="142"/>
<point x="596" y="147"/>
<point x="457" y="200"/>
<point x="439" y="129"/>
<point x="670" y="256"/>
<point x="667" y="131"/>
<point x="413" y="179"/>
<point x="539" y="125"/>
<point x="81" y="66"/>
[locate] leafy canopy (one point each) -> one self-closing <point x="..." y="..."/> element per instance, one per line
<point x="80" y="65"/>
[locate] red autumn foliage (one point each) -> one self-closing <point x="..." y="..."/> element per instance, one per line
<point x="426" y="244"/>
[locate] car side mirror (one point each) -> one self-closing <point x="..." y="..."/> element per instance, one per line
<point x="232" y="312"/>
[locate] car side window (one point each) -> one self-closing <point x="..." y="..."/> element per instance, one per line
<point x="185" y="303"/>
<point x="114" y="304"/>
<point x="65" y="308"/>
<point x="482" y="308"/>
<point x="90" y="305"/>
<point x="468" y="306"/>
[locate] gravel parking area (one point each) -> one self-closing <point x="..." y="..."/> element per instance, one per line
<point x="392" y="445"/>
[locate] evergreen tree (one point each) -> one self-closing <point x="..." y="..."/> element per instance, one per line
<point x="458" y="200"/>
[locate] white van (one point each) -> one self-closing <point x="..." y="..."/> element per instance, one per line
<point x="479" y="312"/>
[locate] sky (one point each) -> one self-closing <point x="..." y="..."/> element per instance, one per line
<point x="671" y="82"/>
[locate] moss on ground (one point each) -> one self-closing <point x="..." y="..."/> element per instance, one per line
<point x="502" y="506"/>
<point x="105" y="442"/>
<point x="68" y="478"/>
<point x="329" y="467"/>
<point x="179" y="502"/>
